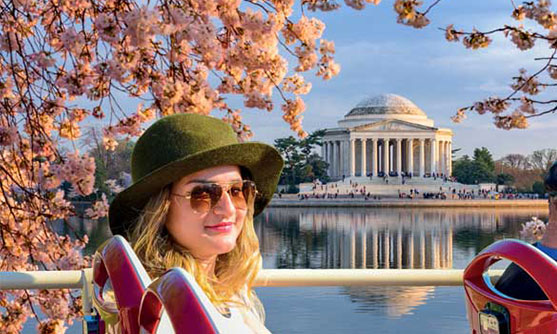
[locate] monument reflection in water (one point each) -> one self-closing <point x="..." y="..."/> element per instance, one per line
<point x="382" y="239"/>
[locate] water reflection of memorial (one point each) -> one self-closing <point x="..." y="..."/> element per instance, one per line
<point x="362" y="239"/>
<point x="380" y="239"/>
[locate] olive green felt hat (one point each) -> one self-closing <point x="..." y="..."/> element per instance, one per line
<point x="182" y="144"/>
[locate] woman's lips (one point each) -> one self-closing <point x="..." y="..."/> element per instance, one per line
<point x="221" y="227"/>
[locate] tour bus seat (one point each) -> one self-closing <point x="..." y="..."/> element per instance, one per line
<point x="119" y="281"/>
<point x="189" y="309"/>
<point x="490" y="311"/>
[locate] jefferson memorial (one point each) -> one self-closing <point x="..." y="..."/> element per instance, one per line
<point x="387" y="135"/>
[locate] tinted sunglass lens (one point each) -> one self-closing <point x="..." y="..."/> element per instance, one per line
<point x="248" y="188"/>
<point x="204" y="197"/>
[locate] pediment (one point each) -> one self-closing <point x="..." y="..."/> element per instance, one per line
<point x="392" y="125"/>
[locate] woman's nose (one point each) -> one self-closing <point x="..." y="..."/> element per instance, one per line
<point x="225" y="206"/>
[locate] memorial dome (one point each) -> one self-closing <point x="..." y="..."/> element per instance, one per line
<point x="386" y="104"/>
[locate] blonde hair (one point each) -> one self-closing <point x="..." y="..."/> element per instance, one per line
<point x="234" y="271"/>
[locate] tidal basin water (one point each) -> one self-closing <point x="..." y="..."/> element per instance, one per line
<point x="369" y="238"/>
<point x="376" y="238"/>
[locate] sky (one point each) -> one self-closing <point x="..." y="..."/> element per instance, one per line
<point x="378" y="56"/>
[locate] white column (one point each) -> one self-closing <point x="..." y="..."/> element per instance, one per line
<point x="399" y="157"/>
<point x="441" y="154"/>
<point x="341" y="158"/>
<point x="433" y="156"/>
<point x="374" y="157"/>
<point x="445" y="160"/>
<point x="364" y="157"/>
<point x="450" y="172"/>
<point x="386" y="156"/>
<point x="410" y="156"/>
<point x="331" y="166"/>
<point x="335" y="159"/>
<point x="352" y="157"/>
<point x="344" y="151"/>
<point x="422" y="157"/>
<point x="448" y="157"/>
<point x="326" y="154"/>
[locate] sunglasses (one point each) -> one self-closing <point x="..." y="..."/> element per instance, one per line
<point x="205" y="196"/>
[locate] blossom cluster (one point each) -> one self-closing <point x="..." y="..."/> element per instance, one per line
<point x="524" y="86"/>
<point x="533" y="230"/>
<point x="523" y="39"/>
<point x="408" y="15"/>
<point x="79" y="171"/>
<point x="527" y="84"/>
<point x="476" y="40"/>
<point x="99" y="209"/>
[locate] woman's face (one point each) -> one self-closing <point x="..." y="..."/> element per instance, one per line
<point x="205" y="234"/>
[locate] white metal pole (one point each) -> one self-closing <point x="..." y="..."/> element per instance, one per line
<point x="63" y="279"/>
<point x="375" y="277"/>
<point x="266" y="278"/>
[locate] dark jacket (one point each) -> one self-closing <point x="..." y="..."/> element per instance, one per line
<point x="516" y="283"/>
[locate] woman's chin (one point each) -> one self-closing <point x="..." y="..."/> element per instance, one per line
<point x="224" y="245"/>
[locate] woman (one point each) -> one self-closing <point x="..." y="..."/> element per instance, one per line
<point x="195" y="192"/>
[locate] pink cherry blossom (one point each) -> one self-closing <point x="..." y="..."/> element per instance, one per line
<point x="451" y="34"/>
<point x="79" y="171"/>
<point x="532" y="230"/>
<point x="476" y="40"/>
<point x="8" y="135"/>
<point x="113" y="186"/>
<point x="142" y="26"/>
<point x="99" y="208"/>
<point x="521" y="38"/>
<point x="526" y="83"/>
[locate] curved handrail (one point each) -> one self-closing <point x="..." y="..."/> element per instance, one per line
<point x="182" y="299"/>
<point x="538" y="265"/>
<point x="116" y="260"/>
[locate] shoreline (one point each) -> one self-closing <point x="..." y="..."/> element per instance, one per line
<point x="405" y="203"/>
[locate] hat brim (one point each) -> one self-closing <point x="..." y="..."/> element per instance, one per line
<point x="262" y="160"/>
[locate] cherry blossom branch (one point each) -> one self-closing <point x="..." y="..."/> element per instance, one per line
<point x="431" y="6"/>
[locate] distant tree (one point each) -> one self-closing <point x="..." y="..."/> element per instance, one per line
<point x="480" y="169"/>
<point x="318" y="168"/>
<point x="538" y="188"/>
<point x="110" y="163"/>
<point x="516" y="161"/>
<point x="518" y="167"/>
<point x="463" y="170"/>
<point x="483" y="156"/>
<point x="288" y="147"/>
<point x="504" y="179"/>
<point x="302" y="164"/>
<point x="541" y="160"/>
<point x="310" y="142"/>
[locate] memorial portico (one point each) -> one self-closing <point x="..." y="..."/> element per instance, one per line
<point x="387" y="135"/>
